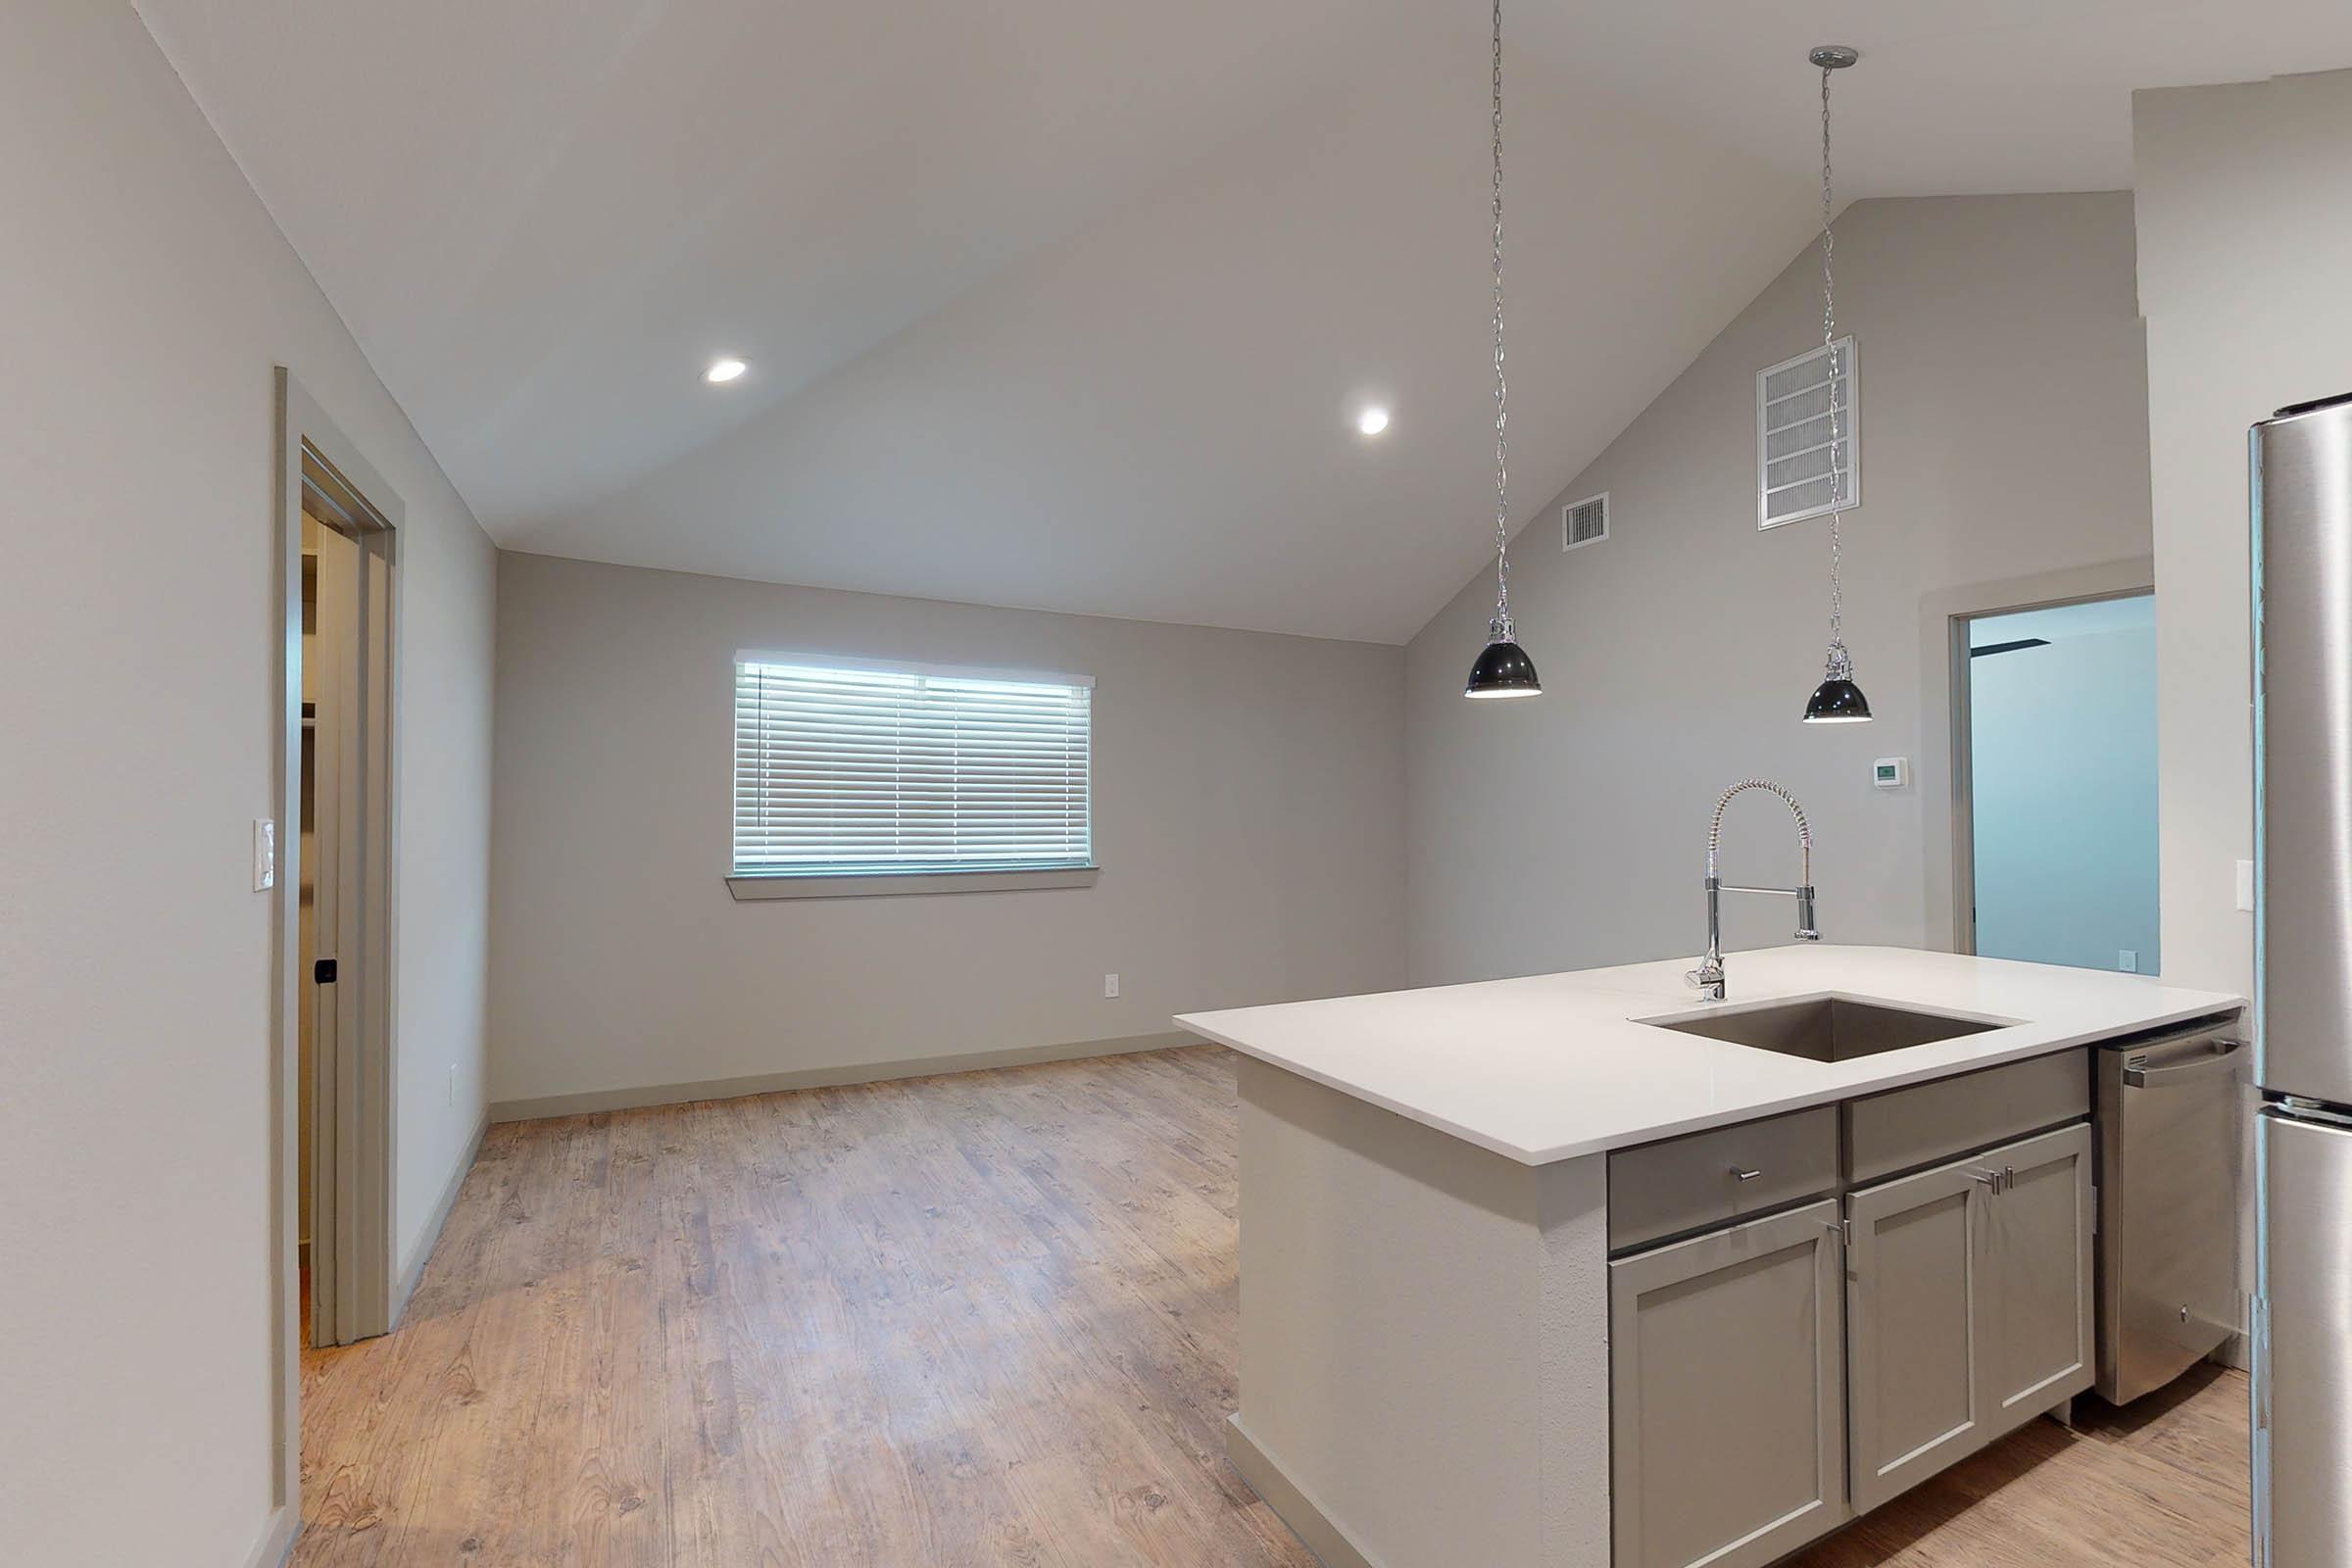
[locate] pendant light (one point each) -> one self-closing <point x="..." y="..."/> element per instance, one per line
<point x="1836" y="700"/>
<point x="1504" y="669"/>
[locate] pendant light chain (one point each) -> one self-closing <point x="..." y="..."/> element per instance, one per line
<point x="1836" y="700"/>
<point x="1503" y="669"/>
<point x="1840" y="664"/>
<point x="1502" y="540"/>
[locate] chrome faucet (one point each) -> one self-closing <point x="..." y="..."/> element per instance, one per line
<point x="1708" y="976"/>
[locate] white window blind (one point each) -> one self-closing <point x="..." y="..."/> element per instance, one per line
<point x="867" y="769"/>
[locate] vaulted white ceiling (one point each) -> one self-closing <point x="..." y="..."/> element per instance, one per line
<point x="1068" y="303"/>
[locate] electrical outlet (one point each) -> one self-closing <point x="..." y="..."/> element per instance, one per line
<point x="265" y="855"/>
<point x="1110" y="985"/>
<point x="453" y="1083"/>
<point x="2126" y="960"/>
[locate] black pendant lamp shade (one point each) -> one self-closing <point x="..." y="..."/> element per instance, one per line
<point x="1504" y="669"/>
<point x="1837" y="700"/>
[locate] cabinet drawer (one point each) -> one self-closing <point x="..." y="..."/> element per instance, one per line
<point x="1928" y="1123"/>
<point x="1714" y="1177"/>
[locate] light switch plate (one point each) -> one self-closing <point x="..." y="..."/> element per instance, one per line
<point x="1110" y="985"/>
<point x="265" y="855"/>
<point x="2246" y="886"/>
<point x="2126" y="960"/>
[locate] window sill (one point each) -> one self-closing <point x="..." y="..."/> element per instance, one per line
<point x="884" y="884"/>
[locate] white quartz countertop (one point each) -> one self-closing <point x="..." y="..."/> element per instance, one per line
<point x="1553" y="1067"/>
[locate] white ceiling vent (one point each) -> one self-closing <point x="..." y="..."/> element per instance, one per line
<point x="1584" y="522"/>
<point x="1798" y="474"/>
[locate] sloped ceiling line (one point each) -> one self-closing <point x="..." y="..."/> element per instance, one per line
<point x="1071" y="306"/>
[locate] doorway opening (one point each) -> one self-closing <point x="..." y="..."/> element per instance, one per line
<point x="2055" y="728"/>
<point x="340" y="865"/>
<point x="331" y="1266"/>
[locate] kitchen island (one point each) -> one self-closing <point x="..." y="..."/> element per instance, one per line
<point x="1446" y="1194"/>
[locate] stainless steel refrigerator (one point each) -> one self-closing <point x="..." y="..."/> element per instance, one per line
<point x="2302" y="515"/>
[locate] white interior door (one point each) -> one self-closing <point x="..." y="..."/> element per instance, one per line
<point x="337" y="776"/>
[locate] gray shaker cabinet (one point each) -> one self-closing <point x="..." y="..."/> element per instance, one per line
<point x="1918" y="1304"/>
<point x="1969" y="1299"/>
<point x="1774" y="1377"/>
<point x="2041" y="1349"/>
<point x="1727" y="1364"/>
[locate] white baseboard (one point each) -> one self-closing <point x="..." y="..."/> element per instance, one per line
<point x="277" y="1540"/>
<point x="411" y="1269"/>
<point x="874" y="1073"/>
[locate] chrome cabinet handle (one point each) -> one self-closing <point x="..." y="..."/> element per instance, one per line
<point x="1740" y="1175"/>
<point x="1991" y="1178"/>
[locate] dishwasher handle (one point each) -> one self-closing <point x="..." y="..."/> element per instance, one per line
<point x="2205" y="1064"/>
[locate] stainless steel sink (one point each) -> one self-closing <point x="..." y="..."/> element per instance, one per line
<point x="1824" y="1028"/>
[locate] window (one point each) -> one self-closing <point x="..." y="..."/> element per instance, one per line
<point x="1798" y="473"/>
<point x="858" y="777"/>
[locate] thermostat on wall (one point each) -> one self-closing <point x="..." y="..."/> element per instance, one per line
<point x="1890" y="772"/>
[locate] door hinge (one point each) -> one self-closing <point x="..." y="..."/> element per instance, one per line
<point x="323" y="972"/>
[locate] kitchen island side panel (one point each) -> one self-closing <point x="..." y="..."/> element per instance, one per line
<point x="1424" y="1336"/>
<point x="1572" y="1360"/>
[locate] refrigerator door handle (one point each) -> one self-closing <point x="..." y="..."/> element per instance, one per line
<point x="2220" y="1060"/>
<point x="2259" y="1310"/>
<point x="2258" y="1313"/>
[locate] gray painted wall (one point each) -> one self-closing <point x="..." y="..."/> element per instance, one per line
<point x="1249" y="805"/>
<point x="2245" y="243"/>
<point x="147" y="295"/>
<point x="2004" y="429"/>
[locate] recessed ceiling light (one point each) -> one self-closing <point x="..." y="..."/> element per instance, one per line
<point x="1372" y="420"/>
<point x="724" y="370"/>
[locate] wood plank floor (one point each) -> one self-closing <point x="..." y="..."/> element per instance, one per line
<point x="980" y="1320"/>
<point x="2159" y="1483"/>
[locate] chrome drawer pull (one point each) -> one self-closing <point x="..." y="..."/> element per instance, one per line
<point x="1745" y="1175"/>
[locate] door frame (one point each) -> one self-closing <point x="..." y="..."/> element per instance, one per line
<point x="1943" y="730"/>
<point x="316" y="458"/>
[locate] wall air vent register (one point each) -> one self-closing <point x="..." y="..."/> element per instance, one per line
<point x="1798" y="474"/>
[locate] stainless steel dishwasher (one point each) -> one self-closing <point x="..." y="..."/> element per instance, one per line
<point x="2172" y="1115"/>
